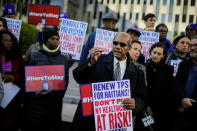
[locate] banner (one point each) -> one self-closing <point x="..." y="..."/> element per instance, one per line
<point x="48" y="78"/>
<point x="175" y="64"/>
<point x="14" y="26"/>
<point x="148" y="38"/>
<point x="104" y="39"/>
<point x="72" y="35"/>
<point x="46" y="13"/>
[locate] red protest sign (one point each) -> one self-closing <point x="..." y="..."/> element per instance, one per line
<point x="86" y="97"/>
<point x="39" y="12"/>
<point x="44" y="77"/>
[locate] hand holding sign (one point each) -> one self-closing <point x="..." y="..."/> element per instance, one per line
<point x="129" y="103"/>
<point x="95" y="54"/>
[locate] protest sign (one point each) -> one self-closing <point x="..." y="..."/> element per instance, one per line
<point x="175" y="64"/>
<point x="86" y="99"/>
<point x="109" y="112"/>
<point x="148" y="38"/>
<point x="48" y="78"/>
<point x="14" y="26"/>
<point x="72" y="35"/>
<point x="46" y="13"/>
<point x="104" y="39"/>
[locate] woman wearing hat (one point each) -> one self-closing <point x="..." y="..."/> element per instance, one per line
<point x="180" y="43"/>
<point x="9" y="11"/>
<point x="42" y="110"/>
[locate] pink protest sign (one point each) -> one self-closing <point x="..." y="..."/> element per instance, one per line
<point x="39" y="78"/>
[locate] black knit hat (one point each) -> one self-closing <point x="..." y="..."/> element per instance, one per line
<point x="48" y="33"/>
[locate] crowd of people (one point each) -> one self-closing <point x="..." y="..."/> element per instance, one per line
<point x="155" y="90"/>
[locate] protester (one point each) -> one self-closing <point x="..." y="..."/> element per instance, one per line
<point x="3" y="24"/>
<point x="100" y="68"/>
<point x="42" y="110"/>
<point x="1" y="90"/>
<point x="12" y="68"/>
<point x="191" y="30"/>
<point x="185" y="86"/>
<point x="159" y="87"/>
<point x="162" y="29"/>
<point x="9" y="11"/>
<point x="149" y="21"/>
<point x="109" y="22"/>
<point x="135" y="34"/>
<point x="180" y="43"/>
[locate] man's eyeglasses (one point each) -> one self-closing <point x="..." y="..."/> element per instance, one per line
<point x="120" y="43"/>
<point x="193" y="45"/>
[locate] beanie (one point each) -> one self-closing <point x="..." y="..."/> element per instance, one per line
<point x="194" y="25"/>
<point x="63" y="15"/>
<point x="176" y="39"/>
<point x="9" y="10"/>
<point x="48" y="33"/>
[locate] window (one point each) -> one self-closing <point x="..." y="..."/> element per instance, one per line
<point x="119" y="1"/>
<point x="191" y="18"/>
<point x="158" y="2"/>
<point x="126" y="1"/>
<point x="100" y="19"/>
<point x="136" y="16"/>
<point x="171" y="2"/>
<point x="170" y="17"/>
<point x="185" y="2"/>
<point x="101" y="1"/>
<point x="143" y="16"/>
<point x="177" y="18"/>
<point x="123" y="21"/>
<point x="151" y="2"/>
<point x="184" y="18"/>
<point x="164" y="2"/>
<point x="114" y="1"/>
<point x="106" y="9"/>
<point x="132" y="1"/>
<point x="163" y="18"/>
<point x="138" y="2"/>
<point x="95" y="9"/>
<point x="90" y="2"/>
<point x="130" y="17"/>
<point x="145" y="1"/>
<point x="178" y="2"/>
<point x="192" y="2"/>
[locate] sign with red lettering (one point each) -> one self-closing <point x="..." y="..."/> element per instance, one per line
<point x="86" y="99"/>
<point x="14" y="26"/>
<point x="44" y="14"/>
<point x="72" y="35"/>
<point x="48" y="78"/>
<point x="148" y="38"/>
<point x="175" y="64"/>
<point x="104" y="39"/>
<point x="109" y="112"/>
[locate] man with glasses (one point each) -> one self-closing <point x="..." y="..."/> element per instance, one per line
<point x="186" y="90"/>
<point x="101" y="68"/>
<point x="162" y="29"/>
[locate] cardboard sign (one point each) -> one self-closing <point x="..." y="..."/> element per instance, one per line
<point x="72" y="35"/>
<point x="148" y="38"/>
<point x="46" y="13"/>
<point x="48" y="78"/>
<point x="175" y="64"/>
<point x="104" y="39"/>
<point x="14" y="26"/>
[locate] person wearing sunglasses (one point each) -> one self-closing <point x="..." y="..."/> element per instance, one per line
<point x="185" y="90"/>
<point x="191" y="30"/>
<point x="162" y="29"/>
<point x="102" y="68"/>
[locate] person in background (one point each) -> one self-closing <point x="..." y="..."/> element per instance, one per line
<point x="149" y="21"/>
<point x="162" y="29"/>
<point x="185" y="93"/>
<point x="180" y="43"/>
<point x="159" y="87"/>
<point x="3" y="24"/>
<point x="109" y="23"/>
<point x="191" y="30"/>
<point x="12" y="70"/>
<point x="9" y="11"/>
<point x="135" y="34"/>
<point x="42" y="110"/>
<point x="101" y="68"/>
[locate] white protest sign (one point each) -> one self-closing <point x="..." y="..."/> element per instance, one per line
<point x="175" y="64"/>
<point x="10" y="91"/>
<point x="109" y="112"/>
<point x="104" y="39"/>
<point x="14" y="26"/>
<point x="72" y="35"/>
<point x="148" y="38"/>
